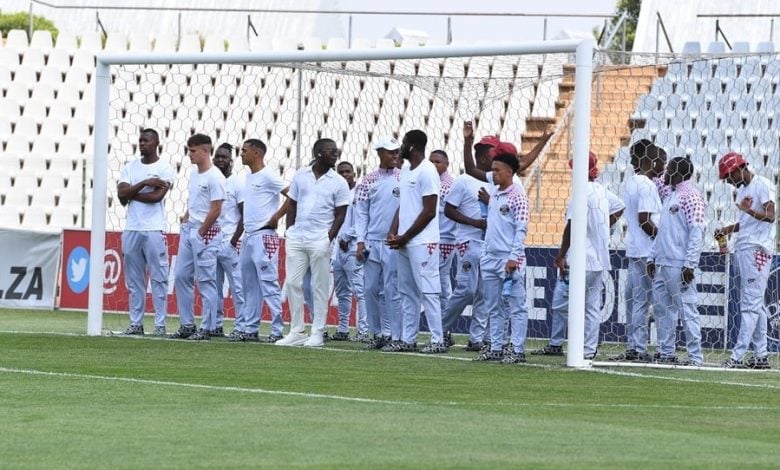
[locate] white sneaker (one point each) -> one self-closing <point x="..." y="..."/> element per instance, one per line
<point x="314" y="341"/>
<point x="293" y="339"/>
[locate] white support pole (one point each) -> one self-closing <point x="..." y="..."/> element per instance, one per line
<point x="579" y="221"/>
<point x="99" y="192"/>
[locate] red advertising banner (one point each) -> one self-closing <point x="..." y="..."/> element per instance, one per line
<point x="74" y="279"/>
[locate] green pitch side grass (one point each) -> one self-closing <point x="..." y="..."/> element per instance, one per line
<point x="113" y="402"/>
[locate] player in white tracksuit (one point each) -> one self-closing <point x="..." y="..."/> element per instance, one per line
<point x="503" y="259"/>
<point x="604" y="209"/>
<point x="199" y="241"/>
<point x="259" y="259"/>
<point x="232" y="229"/>
<point x="348" y="279"/>
<point x="415" y="234"/>
<point x="447" y="227"/>
<point x="675" y="257"/>
<point x="376" y="199"/>
<point x="753" y="253"/>
<point x="643" y="207"/>
<point x="143" y="185"/>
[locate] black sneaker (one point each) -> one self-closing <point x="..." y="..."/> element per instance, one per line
<point x="548" y="350"/>
<point x="272" y="338"/>
<point x="448" y="339"/>
<point x="627" y="355"/>
<point x="218" y="332"/>
<point x="159" y="331"/>
<point x="201" y="335"/>
<point x="340" y="336"/>
<point x="475" y="346"/>
<point x="435" y="348"/>
<point x="235" y="336"/>
<point x="378" y="342"/>
<point x="668" y="359"/>
<point x="758" y="363"/>
<point x="134" y="330"/>
<point x="249" y="338"/>
<point x="513" y="358"/>
<point x="184" y="332"/>
<point x="490" y="356"/>
<point x="400" y="346"/>
<point x="733" y="364"/>
<point x="361" y="338"/>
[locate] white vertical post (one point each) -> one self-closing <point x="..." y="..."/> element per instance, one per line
<point x="99" y="191"/>
<point x="579" y="221"/>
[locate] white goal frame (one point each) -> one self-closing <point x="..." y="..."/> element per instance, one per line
<point x="582" y="106"/>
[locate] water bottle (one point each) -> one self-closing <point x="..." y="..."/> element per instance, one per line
<point x="483" y="209"/>
<point x="506" y="287"/>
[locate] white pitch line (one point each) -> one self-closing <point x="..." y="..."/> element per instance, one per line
<point x="220" y="388"/>
<point x="681" y="379"/>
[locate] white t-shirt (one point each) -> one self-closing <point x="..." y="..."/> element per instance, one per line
<point x="228" y="219"/>
<point x="640" y="195"/>
<point x="317" y="199"/>
<point x="753" y="232"/>
<point x="601" y="203"/>
<point x="463" y="196"/>
<point x="261" y="196"/>
<point x="144" y="216"/>
<point x="204" y="188"/>
<point x="415" y="184"/>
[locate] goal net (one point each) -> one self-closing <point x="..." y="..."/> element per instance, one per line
<point x="681" y="106"/>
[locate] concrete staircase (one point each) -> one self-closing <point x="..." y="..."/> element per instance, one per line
<point x="614" y="95"/>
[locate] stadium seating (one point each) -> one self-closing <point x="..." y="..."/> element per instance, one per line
<point x="700" y="108"/>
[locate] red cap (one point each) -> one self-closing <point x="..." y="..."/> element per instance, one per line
<point x="730" y="162"/>
<point x="593" y="165"/>
<point x="502" y="148"/>
<point x="489" y="140"/>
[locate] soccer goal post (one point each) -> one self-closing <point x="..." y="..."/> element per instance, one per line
<point x="456" y="91"/>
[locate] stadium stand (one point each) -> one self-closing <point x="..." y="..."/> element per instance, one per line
<point x="48" y="103"/>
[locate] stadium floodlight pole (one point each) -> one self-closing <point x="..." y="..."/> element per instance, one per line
<point x="584" y="52"/>
<point x="579" y="221"/>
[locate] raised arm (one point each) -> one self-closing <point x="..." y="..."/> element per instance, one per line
<point x="530" y="157"/>
<point x="468" y="158"/>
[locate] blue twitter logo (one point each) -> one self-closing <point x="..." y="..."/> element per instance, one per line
<point x="78" y="270"/>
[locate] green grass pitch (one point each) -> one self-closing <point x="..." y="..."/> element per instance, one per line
<point x="72" y="401"/>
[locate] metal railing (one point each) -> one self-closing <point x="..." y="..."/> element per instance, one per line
<point x="661" y="27"/>
<point x="250" y="27"/>
<point x="717" y="17"/>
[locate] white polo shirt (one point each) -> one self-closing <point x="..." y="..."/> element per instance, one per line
<point x="261" y="196"/>
<point x="416" y="184"/>
<point x="463" y="196"/>
<point x="601" y="204"/>
<point x="639" y="196"/>
<point x="376" y="199"/>
<point x="317" y="199"/>
<point x="753" y="232"/>
<point x="228" y="219"/>
<point x="144" y="216"/>
<point x="204" y="188"/>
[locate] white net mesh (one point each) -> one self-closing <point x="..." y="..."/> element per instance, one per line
<point x="694" y="107"/>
